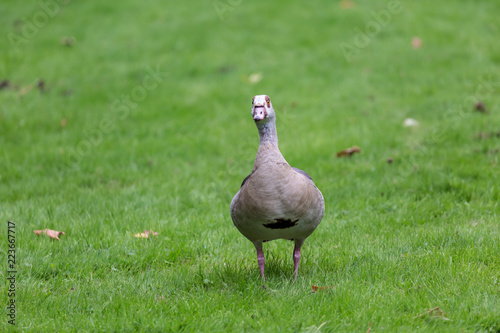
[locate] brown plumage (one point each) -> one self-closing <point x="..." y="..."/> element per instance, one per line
<point x="275" y="201"/>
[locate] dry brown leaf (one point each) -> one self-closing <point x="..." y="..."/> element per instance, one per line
<point x="416" y="42"/>
<point x="480" y="107"/>
<point x="26" y="89"/>
<point x="68" y="41"/>
<point x="370" y="328"/>
<point x="349" y="151"/>
<point x="434" y="312"/>
<point x="41" y="85"/>
<point x="64" y="122"/>
<point x="490" y="135"/>
<point x="4" y="84"/>
<point x="316" y="288"/>
<point x="346" y="4"/>
<point x="51" y="233"/>
<point x="146" y="234"/>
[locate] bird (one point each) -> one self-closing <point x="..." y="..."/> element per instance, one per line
<point x="276" y="201"/>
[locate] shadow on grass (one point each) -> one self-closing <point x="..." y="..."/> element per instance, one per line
<point x="242" y="275"/>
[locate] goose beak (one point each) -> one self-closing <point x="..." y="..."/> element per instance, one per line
<point x="259" y="112"/>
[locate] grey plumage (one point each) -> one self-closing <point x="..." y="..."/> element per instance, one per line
<point x="275" y="201"/>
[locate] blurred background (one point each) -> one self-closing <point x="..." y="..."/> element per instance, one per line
<point x="99" y="94"/>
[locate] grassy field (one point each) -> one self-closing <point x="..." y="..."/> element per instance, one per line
<point x="117" y="118"/>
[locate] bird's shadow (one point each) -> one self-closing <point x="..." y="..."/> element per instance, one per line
<point x="246" y="273"/>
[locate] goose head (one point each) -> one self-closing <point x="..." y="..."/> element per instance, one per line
<point x="262" y="109"/>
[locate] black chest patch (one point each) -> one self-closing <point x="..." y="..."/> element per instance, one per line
<point x="281" y="224"/>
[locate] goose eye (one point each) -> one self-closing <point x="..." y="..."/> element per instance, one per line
<point x="268" y="100"/>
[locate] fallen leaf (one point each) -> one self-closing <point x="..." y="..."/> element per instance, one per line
<point x="24" y="90"/>
<point x="68" y="41"/>
<point x="480" y="107"/>
<point x="346" y="4"/>
<point x="370" y="328"/>
<point x="316" y="288"/>
<point x="481" y="135"/>
<point x="4" y="84"/>
<point x="51" y="233"/>
<point x="349" y="151"/>
<point x="434" y="312"/>
<point x="416" y="42"/>
<point x="64" y="122"/>
<point x="41" y="85"/>
<point x="255" y="78"/>
<point x="146" y="234"/>
<point x="409" y="122"/>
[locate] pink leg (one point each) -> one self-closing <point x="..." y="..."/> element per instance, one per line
<point x="260" y="258"/>
<point x="296" y="256"/>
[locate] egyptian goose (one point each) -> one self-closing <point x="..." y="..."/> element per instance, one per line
<point x="275" y="201"/>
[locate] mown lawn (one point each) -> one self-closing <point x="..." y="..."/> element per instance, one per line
<point x="117" y="118"/>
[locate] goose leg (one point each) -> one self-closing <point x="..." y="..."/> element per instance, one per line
<point x="260" y="258"/>
<point x="296" y="256"/>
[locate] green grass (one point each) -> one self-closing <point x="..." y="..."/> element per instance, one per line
<point x="397" y="239"/>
